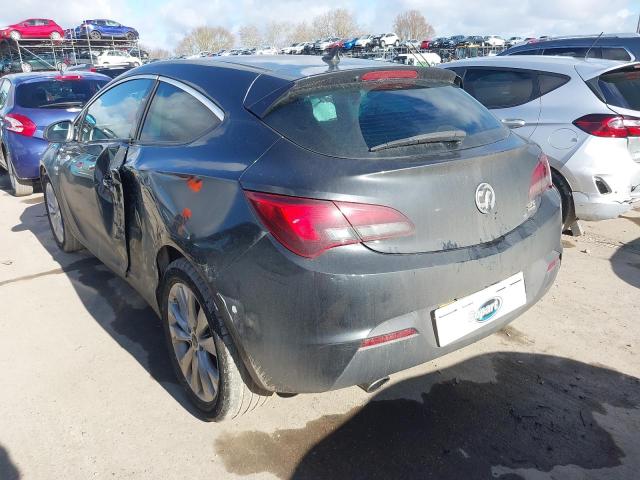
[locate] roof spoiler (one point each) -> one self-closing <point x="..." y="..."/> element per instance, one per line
<point x="267" y="92"/>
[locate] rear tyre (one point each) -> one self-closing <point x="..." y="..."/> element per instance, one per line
<point x="19" y="187"/>
<point x="130" y="36"/>
<point x="15" y="35"/>
<point x="383" y="43"/>
<point x="55" y="36"/>
<point x="63" y="237"/>
<point x="95" y="35"/>
<point x="397" y="43"/>
<point x="202" y="351"/>
<point x="568" y="208"/>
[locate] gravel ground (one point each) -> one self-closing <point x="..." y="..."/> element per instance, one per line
<point x="87" y="391"/>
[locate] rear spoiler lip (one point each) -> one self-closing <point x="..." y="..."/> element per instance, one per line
<point x="263" y="105"/>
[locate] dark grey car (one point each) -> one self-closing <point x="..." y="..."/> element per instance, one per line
<point x="300" y="227"/>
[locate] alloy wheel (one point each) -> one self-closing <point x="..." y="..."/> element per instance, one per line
<point x="193" y="342"/>
<point x="53" y="209"/>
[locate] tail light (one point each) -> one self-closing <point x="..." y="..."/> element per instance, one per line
<point x="20" y="124"/>
<point x="611" y="126"/>
<point x="308" y="227"/>
<point x="540" y="178"/>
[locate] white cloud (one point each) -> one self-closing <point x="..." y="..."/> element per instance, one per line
<point x="163" y="22"/>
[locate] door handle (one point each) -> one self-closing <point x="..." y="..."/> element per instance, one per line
<point x="513" y="122"/>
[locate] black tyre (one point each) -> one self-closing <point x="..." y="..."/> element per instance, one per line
<point x="203" y="354"/>
<point x="95" y="35"/>
<point x="568" y="208"/>
<point x="131" y="36"/>
<point x="63" y="237"/>
<point x="19" y="187"/>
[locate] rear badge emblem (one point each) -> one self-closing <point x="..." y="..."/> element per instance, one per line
<point x="488" y="310"/>
<point x="485" y="198"/>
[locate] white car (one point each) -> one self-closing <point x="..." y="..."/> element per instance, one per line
<point x="420" y="59"/>
<point x="495" y="40"/>
<point x="584" y="114"/>
<point x="295" y="49"/>
<point x="364" y="41"/>
<point x="266" y="50"/>
<point x="117" y="57"/>
<point x="388" y="40"/>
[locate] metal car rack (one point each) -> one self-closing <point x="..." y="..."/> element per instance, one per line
<point x="49" y="54"/>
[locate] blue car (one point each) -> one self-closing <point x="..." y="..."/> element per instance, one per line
<point x="29" y="103"/>
<point x="349" y="44"/>
<point x="101" y="28"/>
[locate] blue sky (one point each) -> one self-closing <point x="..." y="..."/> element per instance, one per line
<point x="162" y="22"/>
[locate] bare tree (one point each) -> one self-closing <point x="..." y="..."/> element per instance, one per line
<point x="302" y="32"/>
<point x="155" y="52"/>
<point x="250" y="36"/>
<point x="335" y="23"/>
<point x="278" y="34"/>
<point x="412" y="25"/>
<point x="205" y="38"/>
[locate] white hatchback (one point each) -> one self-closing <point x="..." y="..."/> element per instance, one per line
<point x="584" y="114"/>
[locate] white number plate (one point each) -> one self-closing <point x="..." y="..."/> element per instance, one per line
<point x="470" y="313"/>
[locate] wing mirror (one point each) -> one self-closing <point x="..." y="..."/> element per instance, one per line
<point x="59" y="132"/>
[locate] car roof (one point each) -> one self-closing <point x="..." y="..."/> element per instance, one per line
<point x="607" y="40"/>
<point x="18" y="78"/>
<point x="588" y="68"/>
<point x="287" y="67"/>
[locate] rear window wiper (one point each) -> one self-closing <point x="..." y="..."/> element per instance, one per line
<point x="434" y="137"/>
<point x="62" y="104"/>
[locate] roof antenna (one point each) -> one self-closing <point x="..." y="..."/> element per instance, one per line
<point x="586" y="55"/>
<point x="332" y="58"/>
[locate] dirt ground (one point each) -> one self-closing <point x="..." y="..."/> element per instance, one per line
<point x="87" y="391"/>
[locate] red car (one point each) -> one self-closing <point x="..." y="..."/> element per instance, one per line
<point x="33" y="28"/>
<point x="425" y="44"/>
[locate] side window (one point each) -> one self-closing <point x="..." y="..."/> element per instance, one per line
<point x="176" y="116"/>
<point x="115" y="113"/>
<point x="4" y="92"/>
<point x="578" y="52"/>
<point x="615" y="53"/>
<point x="547" y="82"/>
<point x="527" y="52"/>
<point x="500" y="88"/>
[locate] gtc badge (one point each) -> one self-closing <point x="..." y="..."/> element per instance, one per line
<point x="485" y="198"/>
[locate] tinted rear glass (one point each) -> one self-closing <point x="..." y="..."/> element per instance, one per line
<point x="615" y="53"/>
<point x="348" y="120"/>
<point x="500" y="88"/>
<point x="57" y="93"/>
<point x="621" y="88"/>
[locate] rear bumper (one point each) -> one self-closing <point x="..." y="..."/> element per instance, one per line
<point x="25" y="153"/>
<point x="608" y="162"/>
<point x="299" y="323"/>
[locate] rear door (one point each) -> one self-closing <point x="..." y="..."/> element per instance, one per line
<point x="511" y="94"/>
<point x="90" y="178"/>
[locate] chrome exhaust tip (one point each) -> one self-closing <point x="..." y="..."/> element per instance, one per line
<point x="373" y="386"/>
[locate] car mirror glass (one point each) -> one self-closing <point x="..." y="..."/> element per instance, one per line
<point x="59" y="132"/>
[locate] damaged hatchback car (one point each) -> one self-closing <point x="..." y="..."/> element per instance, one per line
<point x="301" y="227"/>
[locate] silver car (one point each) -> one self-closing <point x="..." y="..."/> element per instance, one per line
<point x="584" y="114"/>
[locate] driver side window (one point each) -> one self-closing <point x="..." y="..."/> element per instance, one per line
<point x="114" y="115"/>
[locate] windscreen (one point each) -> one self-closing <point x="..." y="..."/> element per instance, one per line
<point x="351" y="120"/>
<point x="621" y="88"/>
<point x="53" y="93"/>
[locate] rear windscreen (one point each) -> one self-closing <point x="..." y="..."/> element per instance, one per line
<point x="349" y="120"/>
<point x="620" y="88"/>
<point x="52" y="93"/>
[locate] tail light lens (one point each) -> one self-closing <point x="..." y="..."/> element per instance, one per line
<point x="20" y="124"/>
<point x="540" y="178"/>
<point x="308" y="227"/>
<point x="611" y="126"/>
